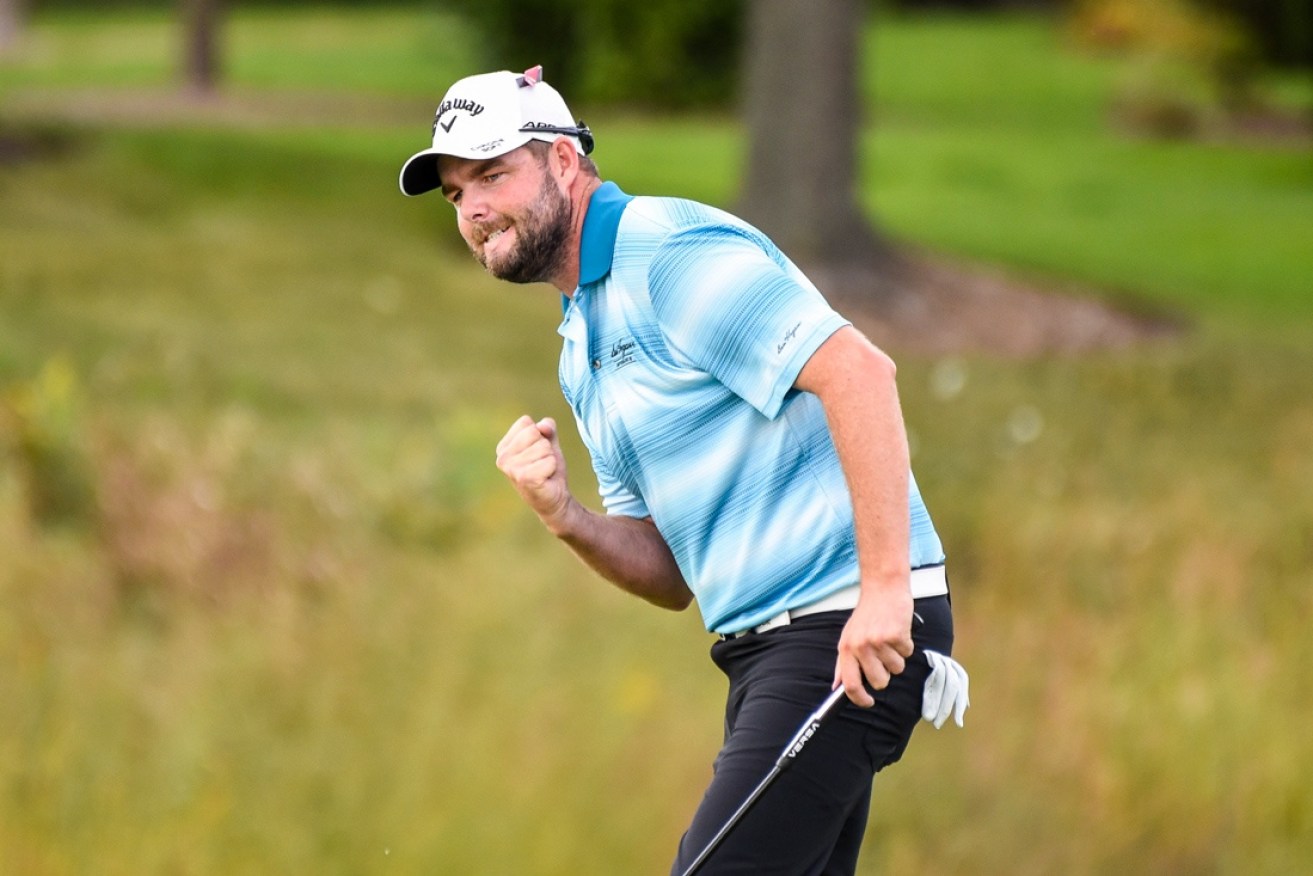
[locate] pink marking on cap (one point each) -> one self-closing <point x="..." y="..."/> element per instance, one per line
<point x="532" y="77"/>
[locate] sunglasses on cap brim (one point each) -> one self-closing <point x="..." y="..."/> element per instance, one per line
<point x="581" y="131"/>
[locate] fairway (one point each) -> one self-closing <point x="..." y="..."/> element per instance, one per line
<point x="270" y="608"/>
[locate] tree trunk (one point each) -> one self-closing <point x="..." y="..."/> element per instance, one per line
<point x="13" y="16"/>
<point x="803" y="113"/>
<point x="202" y="22"/>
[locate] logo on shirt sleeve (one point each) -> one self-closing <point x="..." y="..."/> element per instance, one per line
<point x="789" y="336"/>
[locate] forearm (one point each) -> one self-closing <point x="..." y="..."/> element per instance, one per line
<point x="871" y="441"/>
<point x="627" y="551"/>
<point x="856" y="384"/>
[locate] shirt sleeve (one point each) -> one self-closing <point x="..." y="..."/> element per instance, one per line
<point x="617" y="499"/>
<point x="736" y="308"/>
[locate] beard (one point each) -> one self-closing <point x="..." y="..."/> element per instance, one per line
<point x="541" y="234"/>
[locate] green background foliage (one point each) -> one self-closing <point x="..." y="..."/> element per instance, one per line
<point x="665" y="53"/>
<point x="297" y="623"/>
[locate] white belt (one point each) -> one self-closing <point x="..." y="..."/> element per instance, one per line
<point x="926" y="581"/>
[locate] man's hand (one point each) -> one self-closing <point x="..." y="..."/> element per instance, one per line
<point x="530" y="456"/>
<point x="875" y="643"/>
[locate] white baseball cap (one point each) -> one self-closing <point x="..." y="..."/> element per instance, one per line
<point x="488" y="115"/>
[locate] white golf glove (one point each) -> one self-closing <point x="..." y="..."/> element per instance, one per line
<point x="945" y="690"/>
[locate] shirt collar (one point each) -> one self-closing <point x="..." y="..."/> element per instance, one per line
<point x="601" y="223"/>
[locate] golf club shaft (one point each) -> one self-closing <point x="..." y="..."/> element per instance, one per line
<point x="791" y="751"/>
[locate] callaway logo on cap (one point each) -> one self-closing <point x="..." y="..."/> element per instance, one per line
<point x="491" y="114"/>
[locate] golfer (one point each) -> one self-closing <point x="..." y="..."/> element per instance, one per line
<point x="750" y="454"/>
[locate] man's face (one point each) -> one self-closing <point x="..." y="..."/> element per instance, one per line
<point x="511" y="213"/>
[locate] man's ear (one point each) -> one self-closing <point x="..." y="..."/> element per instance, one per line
<point x="563" y="159"/>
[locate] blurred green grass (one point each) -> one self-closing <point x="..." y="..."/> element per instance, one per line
<point x="993" y="140"/>
<point x="396" y="51"/>
<point x="307" y="629"/>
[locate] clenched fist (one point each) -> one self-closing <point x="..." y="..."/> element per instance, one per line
<point x="530" y="456"/>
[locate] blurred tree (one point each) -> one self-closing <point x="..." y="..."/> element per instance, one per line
<point x="13" y="14"/>
<point x="803" y="113"/>
<point x="202" y="23"/>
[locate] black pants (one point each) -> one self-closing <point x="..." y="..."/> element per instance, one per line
<point x="812" y="818"/>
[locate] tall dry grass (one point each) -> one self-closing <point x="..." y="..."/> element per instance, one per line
<point x="290" y="620"/>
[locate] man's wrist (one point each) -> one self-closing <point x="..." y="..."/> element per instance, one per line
<point x="887" y="581"/>
<point x="564" y="522"/>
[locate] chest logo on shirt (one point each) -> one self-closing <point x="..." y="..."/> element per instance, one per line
<point x="622" y="352"/>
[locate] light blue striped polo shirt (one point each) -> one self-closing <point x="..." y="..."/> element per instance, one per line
<point x="680" y="349"/>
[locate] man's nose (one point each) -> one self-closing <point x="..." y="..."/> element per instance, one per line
<point x="473" y="208"/>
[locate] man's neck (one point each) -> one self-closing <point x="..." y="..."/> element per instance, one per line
<point x="568" y="278"/>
